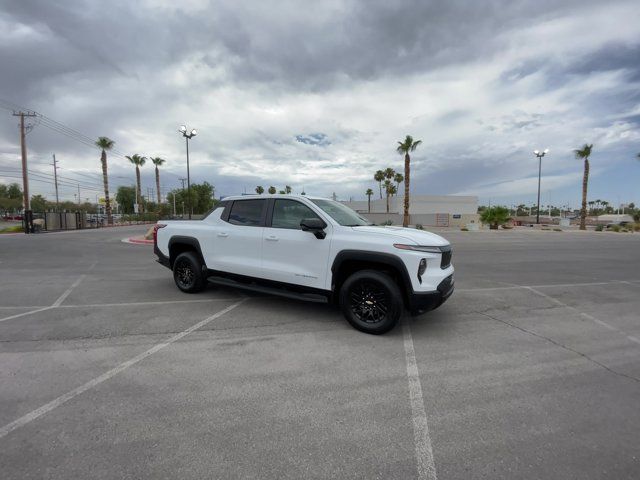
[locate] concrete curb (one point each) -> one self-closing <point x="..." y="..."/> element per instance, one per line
<point x="137" y="241"/>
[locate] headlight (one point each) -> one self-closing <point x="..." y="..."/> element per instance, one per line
<point x="418" y="248"/>
<point x="421" y="268"/>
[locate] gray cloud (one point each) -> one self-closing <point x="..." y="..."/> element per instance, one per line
<point x="256" y="78"/>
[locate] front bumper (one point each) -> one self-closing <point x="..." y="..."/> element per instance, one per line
<point x="420" y="302"/>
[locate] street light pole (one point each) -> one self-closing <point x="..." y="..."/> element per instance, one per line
<point x="539" y="154"/>
<point x="188" y="136"/>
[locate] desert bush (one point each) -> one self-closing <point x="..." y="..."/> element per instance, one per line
<point x="599" y="228"/>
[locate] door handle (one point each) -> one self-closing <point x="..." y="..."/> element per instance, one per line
<point x="272" y="238"/>
<point x="223" y="234"/>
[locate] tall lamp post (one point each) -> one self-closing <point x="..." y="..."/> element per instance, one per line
<point x="188" y="136"/>
<point x="539" y="154"/>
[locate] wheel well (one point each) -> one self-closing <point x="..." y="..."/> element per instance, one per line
<point x="349" y="267"/>
<point x="177" y="248"/>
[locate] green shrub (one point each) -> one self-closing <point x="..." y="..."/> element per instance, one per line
<point x="419" y="226"/>
<point x="636" y="227"/>
<point x="599" y="228"/>
<point x="387" y="222"/>
<point x="557" y="229"/>
<point x="495" y="216"/>
<point x="464" y="229"/>
<point x="615" y="228"/>
<point x="13" y="229"/>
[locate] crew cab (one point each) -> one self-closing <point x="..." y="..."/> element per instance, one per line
<point x="310" y="248"/>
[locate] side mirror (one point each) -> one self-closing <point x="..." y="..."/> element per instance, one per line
<point x="314" y="225"/>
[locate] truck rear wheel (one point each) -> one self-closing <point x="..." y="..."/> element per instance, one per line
<point x="187" y="273"/>
<point x="371" y="301"/>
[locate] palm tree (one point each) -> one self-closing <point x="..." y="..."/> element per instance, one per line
<point x="287" y="189"/>
<point x="138" y="161"/>
<point x="591" y="204"/>
<point x="379" y="177"/>
<point x="259" y="189"/>
<point x="272" y="190"/>
<point x="409" y="145"/>
<point x="387" y="189"/>
<point x="389" y="173"/>
<point x="157" y="161"/>
<point x="398" y="178"/>
<point x="584" y="152"/>
<point x="368" y="194"/>
<point x="105" y="143"/>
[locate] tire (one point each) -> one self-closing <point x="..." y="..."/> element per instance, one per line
<point x="371" y="301"/>
<point x="187" y="273"/>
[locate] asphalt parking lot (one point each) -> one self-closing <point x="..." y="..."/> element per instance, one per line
<point x="531" y="370"/>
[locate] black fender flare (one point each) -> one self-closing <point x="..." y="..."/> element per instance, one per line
<point x="184" y="240"/>
<point x="374" y="257"/>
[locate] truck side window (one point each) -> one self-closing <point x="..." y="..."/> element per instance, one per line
<point x="288" y="213"/>
<point x="247" y="212"/>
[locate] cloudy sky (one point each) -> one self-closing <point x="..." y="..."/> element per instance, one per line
<point x="316" y="94"/>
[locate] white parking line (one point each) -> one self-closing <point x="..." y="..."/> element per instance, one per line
<point x="160" y="302"/>
<point x="424" y="452"/>
<point x="31" y="416"/>
<point x="18" y="315"/>
<point x="55" y="304"/>
<point x="548" y="285"/>
<point x="68" y="291"/>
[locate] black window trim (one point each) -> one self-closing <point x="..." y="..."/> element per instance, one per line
<point x="220" y="204"/>
<point x="271" y="206"/>
<point x="229" y="207"/>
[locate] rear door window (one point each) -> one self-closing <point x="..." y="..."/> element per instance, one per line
<point x="248" y="213"/>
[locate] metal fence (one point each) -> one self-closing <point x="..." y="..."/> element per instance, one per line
<point x="35" y="222"/>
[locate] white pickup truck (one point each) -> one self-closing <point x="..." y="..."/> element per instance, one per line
<point x="313" y="249"/>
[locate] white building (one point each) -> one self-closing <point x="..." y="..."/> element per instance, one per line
<point x="427" y="210"/>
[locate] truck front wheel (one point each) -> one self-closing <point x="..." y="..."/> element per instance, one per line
<point x="371" y="301"/>
<point x="187" y="273"/>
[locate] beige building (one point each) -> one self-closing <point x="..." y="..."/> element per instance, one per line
<point x="426" y="210"/>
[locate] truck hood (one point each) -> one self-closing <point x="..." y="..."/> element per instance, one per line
<point x="408" y="235"/>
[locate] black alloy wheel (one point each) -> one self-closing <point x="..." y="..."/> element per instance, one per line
<point x="188" y="273"/>
<point x="371" y="301"/>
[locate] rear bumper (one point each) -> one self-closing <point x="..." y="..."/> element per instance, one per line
<point x="162" y="258"/>
<point x="423" y="302"/>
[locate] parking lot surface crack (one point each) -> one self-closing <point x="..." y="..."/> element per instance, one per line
<point x="561" y="345"/>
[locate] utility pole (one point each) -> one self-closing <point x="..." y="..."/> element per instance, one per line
<point x="78" y="195"/>
<point x="55" y="178"/>
<point x="539" y="154"/>
<point x="173" y="194"/>
<point x="23" y="148"/>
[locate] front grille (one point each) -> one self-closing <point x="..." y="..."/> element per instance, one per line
<point x="445" y="261"/>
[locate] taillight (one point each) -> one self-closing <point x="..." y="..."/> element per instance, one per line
<point x="155" y="232"/>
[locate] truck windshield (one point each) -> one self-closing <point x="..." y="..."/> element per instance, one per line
<point x="341" y="213"/>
